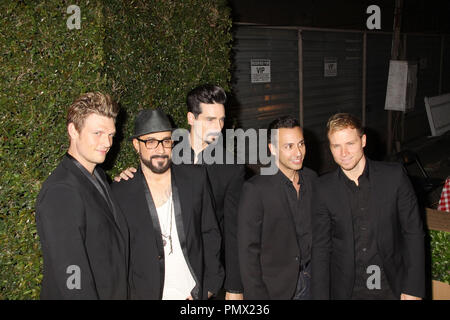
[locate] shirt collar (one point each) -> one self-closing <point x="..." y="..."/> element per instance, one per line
<point x="364" y="175"/>
<point x="208" y="147"/>
<point x="80" y="166"/>
<point x="282" y="177"/>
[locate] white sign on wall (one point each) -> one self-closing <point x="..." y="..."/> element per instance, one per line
<point x="329" y="67"/>
<point x="401" y="86"/>
<point x="260" y="70"/>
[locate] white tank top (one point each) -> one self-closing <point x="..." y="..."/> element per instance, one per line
<point x="178" y="280"/>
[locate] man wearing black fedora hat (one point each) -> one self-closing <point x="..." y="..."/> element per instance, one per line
<point x="206" y="117"/>
<point x="174" y="236"/>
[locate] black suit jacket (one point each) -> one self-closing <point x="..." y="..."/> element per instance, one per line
<point x="398" y="227"/>
<point x="77" y="228"/>
<point x="269" y="254"/>
<point x="197" y="230"/>
<point x="226" y="182"/>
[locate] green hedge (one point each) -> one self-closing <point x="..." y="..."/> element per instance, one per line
<point x="146" y="53"/>
<point x="440" y="255"/>
<point x="44" y="66"/>
<point x="156" y="51"/>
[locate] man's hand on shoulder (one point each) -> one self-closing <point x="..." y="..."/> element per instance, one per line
<point x="126" y="174"/>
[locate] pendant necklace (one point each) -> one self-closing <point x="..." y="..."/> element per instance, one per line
<point x="168" y="237"/>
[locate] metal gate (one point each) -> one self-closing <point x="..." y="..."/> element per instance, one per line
<point x="332" y="73"/>
<point x="256" y="104"/>
<point x="318" y="72"/>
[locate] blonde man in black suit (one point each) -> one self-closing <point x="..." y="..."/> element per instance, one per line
<point x="368" y="239"/>
<point x="84" y="237"/>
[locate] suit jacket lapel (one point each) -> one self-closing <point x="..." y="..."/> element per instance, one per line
<point x="182" y="222"/>
<point x="104" y="189"/>
<point x="179" y="195"/>
<point x="94" y="191"/>
<point x="153" y="213"/>
<point x="376" y="189"/>
<point x="179" y="218"/>
<point x="120" y="220"/>
<point x="156" y="227"/>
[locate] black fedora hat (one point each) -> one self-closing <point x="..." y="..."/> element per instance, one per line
<point x="150" y="121"/>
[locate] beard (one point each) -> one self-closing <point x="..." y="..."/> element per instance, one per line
<point x="160" y="167"/>
<point x="212" y="137"/>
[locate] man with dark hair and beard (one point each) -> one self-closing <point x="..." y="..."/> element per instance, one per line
<point x="174" y="237"/>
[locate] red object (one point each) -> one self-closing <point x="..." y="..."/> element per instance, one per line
<point x="444" y="203"/>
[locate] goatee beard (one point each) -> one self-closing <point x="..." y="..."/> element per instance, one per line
<point x="157" y="169"/>
<point x="216" y="136"/>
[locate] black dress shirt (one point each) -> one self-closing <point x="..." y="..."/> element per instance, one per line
<point x="365" y="246"/>
<point x="296" y="202"/>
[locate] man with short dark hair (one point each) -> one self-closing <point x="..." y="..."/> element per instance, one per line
<point x="206" y="116"/>
<point x="84" y="237"/>
<point x="274" y="221"/>
<point x="368" y="240"/>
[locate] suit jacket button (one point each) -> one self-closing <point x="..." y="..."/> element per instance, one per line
<point x="159" y="257"/>
<point x="297" y="258"/>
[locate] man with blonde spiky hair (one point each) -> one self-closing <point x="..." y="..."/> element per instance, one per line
<point x="368" y="240"/>
<point x="84" y="237"/>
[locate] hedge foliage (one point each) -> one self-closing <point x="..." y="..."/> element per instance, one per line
<point x="440" y="255"/>
<point x="44" y="66"/>
<point x="156" y="51"/>
<point x="146" y="53"/>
